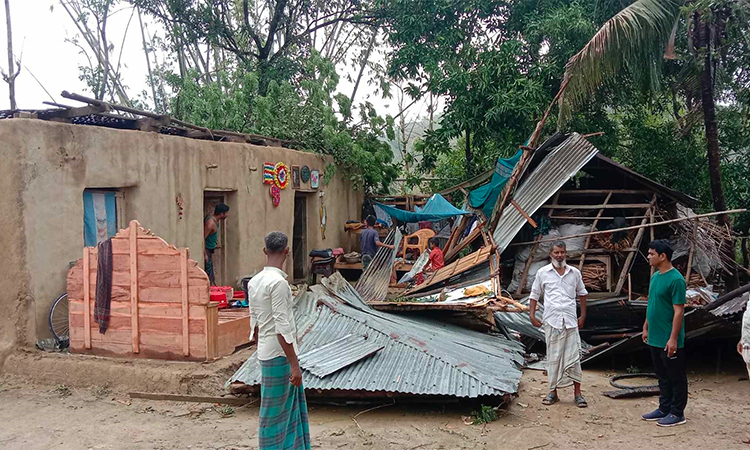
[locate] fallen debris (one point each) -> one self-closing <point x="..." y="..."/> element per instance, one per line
<point x="420" y="358"/>
<point x="234" y="401"/>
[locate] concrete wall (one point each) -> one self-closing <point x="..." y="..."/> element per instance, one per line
<point x="46" y="167"/>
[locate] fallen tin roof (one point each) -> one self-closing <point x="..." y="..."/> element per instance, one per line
<point x="374" y="282"/>
<point x="552" y="173"/>
<point x="732" y="307"/>
<point x="419" y="356"/>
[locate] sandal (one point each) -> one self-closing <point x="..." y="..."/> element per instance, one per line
<point x="580" y="401"/>
<point x="550" y="399"/>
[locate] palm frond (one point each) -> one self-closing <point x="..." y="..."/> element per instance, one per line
<point x="634" y="39"/>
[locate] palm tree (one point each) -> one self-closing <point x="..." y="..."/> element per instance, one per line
<point x="636" y="40"/>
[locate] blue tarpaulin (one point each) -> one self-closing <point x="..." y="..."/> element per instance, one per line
<point x="485" y="197"/>
<point x="436" y="208"/>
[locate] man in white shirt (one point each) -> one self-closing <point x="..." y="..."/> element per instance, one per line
<point x="560" y="284"/>
<point x="743" y="347"/>
<point x="283" y="419"/>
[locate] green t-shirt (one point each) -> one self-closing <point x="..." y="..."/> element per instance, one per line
<point x="666" y="289"/>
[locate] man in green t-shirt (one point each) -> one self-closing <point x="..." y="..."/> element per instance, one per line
<point x="664" y="333"/>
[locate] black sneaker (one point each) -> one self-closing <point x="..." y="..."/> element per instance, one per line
<point x="671" y="421"/>
<point x="654" y="415"/>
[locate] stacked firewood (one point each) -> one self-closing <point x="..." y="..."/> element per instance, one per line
<point x="605" y="241"/>
<point x="595" y="276"/>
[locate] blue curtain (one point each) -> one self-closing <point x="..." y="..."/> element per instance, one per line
<point x="99" y="217"/>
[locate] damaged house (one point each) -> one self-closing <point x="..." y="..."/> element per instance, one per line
<point x="606" y="213"/>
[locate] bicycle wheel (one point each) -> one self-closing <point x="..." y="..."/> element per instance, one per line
<point x="58" y="319"/>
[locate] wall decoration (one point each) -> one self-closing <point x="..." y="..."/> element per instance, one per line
<point x="314" y="179"/>
<point x="275" y="195"/>
<point x="269" y="173"/>
<point x="295" y="177"/>
<point x="323" y="214"/>
<point x="180" y="205"/>
<point x="305" y="174"/>
<point x="282" y="175"/>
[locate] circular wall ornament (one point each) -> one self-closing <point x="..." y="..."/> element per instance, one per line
<point x="282" y="175"/>
<point x="305" y="174"/>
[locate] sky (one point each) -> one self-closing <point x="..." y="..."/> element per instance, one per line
<point x="41" y="33"/>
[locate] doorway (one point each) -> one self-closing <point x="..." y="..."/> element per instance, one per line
<point x="210" y="200"/>
<point x="299" y="236"/>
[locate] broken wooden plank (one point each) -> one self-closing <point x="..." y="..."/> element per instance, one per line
<point x="232" y="401"/>
<point x="610" y="206"/>
<point x="523" y="213"/>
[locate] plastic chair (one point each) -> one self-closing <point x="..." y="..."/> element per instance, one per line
<point x="423" y="238"/>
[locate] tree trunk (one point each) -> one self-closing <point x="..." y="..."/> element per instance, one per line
<point x="469" y="169"/>
<point x="12" y="73"/>
<point x="712" y="141"/>
<point x="712" y="135"/>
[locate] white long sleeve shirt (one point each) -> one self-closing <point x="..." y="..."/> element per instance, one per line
<point x="746" y="327"/>
<point x="560" y="293"/>
<point x="271" y="309"/>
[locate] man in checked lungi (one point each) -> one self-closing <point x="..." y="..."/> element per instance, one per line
<point x="283" y="407"/>
<point x="560" y="284"/>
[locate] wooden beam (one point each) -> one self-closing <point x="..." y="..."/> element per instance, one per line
<point x="212" y="325"/>
<point x="465" y="242"/>
<point x="690" y="256"/>
<point x="603" y="191"/>
<point x="185" y="302"/>
<point x="523" y="213"/>
<point x="637" y="244"/>
<point x="469" y="183"/>
<point x="610" y="206"/>
<point x="593" y="227"/>
<point x="652" y="232"/>
<point x="233" y="401"/>
<point x="636" y="227"/>
<point x="593" y="217"/>
<point x="76" y="112"/>
<point x="530" y="259"/>
<point x="86" y="298"/>
<point x="134" y="286"/>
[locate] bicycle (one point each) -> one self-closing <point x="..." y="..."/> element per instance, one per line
<point x="58" y="321"/>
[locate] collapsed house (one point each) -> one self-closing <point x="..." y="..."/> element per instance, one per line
<point x="605" y="213"/>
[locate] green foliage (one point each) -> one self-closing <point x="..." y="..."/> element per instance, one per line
<point x="301" y="110"/>
<point x="486" y="414"/>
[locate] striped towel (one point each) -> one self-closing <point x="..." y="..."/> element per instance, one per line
<point x="283" y="409"/>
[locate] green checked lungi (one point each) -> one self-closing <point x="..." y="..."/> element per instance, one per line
<point x="283" y="409"/>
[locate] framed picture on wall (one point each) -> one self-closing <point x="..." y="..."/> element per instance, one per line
<point x="295" y="177"/>
<point x="314" y="179"/>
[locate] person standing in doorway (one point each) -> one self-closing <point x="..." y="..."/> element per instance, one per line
<point x="211" y="237"/>
<point x="743" y="347"/>
<point x="283" y="418"/>
<point x="369" y="242"/>
<point x="664" y="333"/>
<point x="560" y="284"/>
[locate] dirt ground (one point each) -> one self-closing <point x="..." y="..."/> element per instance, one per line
<point x="39" y="416"/>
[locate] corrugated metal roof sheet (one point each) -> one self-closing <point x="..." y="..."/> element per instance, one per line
<point x="551" y="174"/>
<point x="374" y="282"/>
<point x="732" y="307"/>
<point x="420" y="356"/>
<point x="325" y="360"/>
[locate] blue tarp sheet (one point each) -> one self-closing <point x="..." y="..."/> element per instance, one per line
<point x="437" y="208"/>
<point x="485" y="197"/>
